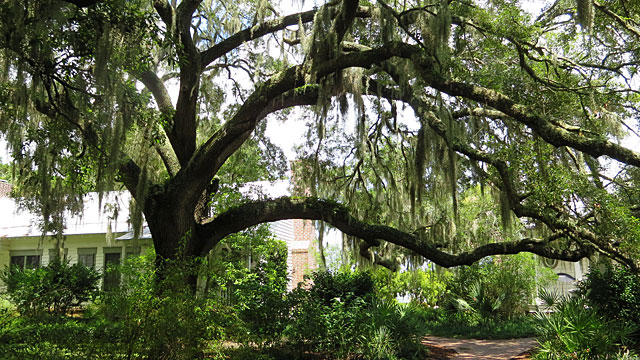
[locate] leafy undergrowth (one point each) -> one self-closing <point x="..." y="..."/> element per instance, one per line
<point x="520" y="327"/>
<point x="249" y="353"/>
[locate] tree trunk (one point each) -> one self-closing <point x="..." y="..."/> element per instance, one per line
<point x="172" y="228"/>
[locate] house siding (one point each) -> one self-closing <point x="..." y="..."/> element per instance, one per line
<point x="570" y="273"/>
<point x="71" y="245"/>
<point x="18" y="232"/>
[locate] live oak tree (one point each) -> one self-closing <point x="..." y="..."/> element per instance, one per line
<point x="454" y="130"/>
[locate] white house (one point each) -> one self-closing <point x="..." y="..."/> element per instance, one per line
<point x="102" y="235"/>
<point x="569" y="273"/>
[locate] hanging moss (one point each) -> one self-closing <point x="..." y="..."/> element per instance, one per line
<point x="585" y="14"/>
<point x="420" y="157"/>
<point x="505" y="211"/>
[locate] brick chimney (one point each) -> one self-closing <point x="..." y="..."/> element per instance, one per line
<point x="301" y="259"/>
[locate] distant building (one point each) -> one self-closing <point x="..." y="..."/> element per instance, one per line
<point x="102" y="236"/>
<point x="569" y="273"/>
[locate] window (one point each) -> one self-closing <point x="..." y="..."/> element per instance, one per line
<point x="132" y="251"/>
<point x="26" y="259"/>
<point x="111" y="272"/>
<point x="87" y="257"/>
<point x="53" y="254"/>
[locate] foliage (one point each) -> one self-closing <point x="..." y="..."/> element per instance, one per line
<point x="500" y="287"/>
<point x="247" y="272"/>
<point x="260" y="296"/>
<point x="416" y="115"/>
<point x="8" y="317"/>
<point x="615" y="291"/>
<point x="327" y="317"/>
<point x="55" y="287"/>
<point x="421" y="286"/>
<point x="5" y="172"/>
<point x="395" y="331"/>
<point x="342" y="285"/>
<point x="339" y="316"/>
<point x="435" y="121"/>
<point x="578" y="331"/>
<point x="152" y="316"/>
<point x="441" y="322"/>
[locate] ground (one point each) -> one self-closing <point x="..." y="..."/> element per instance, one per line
<point x="462" y="349"/>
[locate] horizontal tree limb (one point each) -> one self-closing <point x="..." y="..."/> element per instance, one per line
<point x="263" y="211"/>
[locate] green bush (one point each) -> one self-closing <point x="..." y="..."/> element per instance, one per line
<point x="394" y="331"/>
<point x="578" y="331"/>
<point x="421" y="286"/>
<point x="339" y="317"/>
<point x="447" y="323"/>
<point x="55" y="287"/>
<point x="615" y="290"/>
<point x="342" y="285"/>
<point x="50" y="337"/>
<point x="259" y="296"/>
<point x="329" y="317"/>
<point x="499" y="287"/>
<point x="153" y="316"/>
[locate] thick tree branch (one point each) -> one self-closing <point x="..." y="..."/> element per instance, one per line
<point x="551" y="133"/>
<point x="154" y="84"/>
<point x="257" y="212"/>
<point x="168" y="158"/>
<point x="268" y="27"/>
<point x="343" y="21"/>
<point x="183" y="128"/>
<point x="556" y="220"/>
<point x="377" y="259"/>
<point x="480" y="112"/>
<point x="620" y="20"/>
<point x="129" y="175"/>
<point x="215" y="52"/>
<point x="211" y="155"/>
<point x="166" y="13"/>
<point x="186" y="8"/>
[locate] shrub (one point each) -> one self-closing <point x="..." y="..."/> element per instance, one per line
<point x="394" y="331"/>
<point x="501" y="287"/>
<point x="50" y="337"/>
<point x="578" y="331"/>
<point x="338" y="316"/>
<point x="330" y="316"/>
<point x="156" y="316"/>
<point x="343" y="285"/>
<point x="421" y="286"/>
<point x="615" y="290"/>
<point x="147" y="317"/>
<point x="260" y="296"/>
<point x="55" y="287"/>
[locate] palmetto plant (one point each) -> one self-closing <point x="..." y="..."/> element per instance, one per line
<point x="551" y="298"/>
<point x="578" y="331"/>
<point x="484" y="302"/>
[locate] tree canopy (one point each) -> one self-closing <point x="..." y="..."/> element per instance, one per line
<point x="452" y="129"/>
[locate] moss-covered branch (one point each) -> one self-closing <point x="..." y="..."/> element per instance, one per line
<point x="257" y="212"/>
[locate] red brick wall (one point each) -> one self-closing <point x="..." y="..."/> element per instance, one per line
<point x="5" y="189"/>
<point x="303" y="230"/>
<point x="302" y="260"/>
